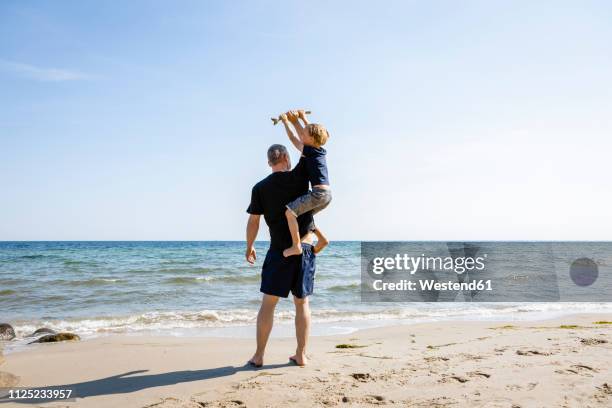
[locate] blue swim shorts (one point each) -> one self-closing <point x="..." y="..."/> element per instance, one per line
<point x="295" y="274"/>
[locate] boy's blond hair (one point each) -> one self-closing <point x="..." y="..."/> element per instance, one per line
<point x="318" y="133"/>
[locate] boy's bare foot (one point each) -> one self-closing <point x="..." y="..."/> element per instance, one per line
<point x="299" y="359"/>
<point x="321" y="244"/>
<point x="294" y="250"/>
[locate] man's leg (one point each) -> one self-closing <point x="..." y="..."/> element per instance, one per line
<point x="302" y="329"/>
<point x="265" y="319"/>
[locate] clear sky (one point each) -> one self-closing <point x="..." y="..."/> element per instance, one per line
<point x="448" y="119"/>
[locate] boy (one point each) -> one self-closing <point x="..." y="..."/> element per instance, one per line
<point x="309" y="141"/>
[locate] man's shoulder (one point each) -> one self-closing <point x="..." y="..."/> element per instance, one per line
<point x="271" y="181"/>
<point x="285" y="181"/>
<point x="261" y="183"/>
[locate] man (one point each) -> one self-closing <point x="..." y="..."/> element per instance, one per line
<point x="281" y="275"/>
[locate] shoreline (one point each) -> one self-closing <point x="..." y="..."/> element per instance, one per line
<point x="285" y="328"/>
<point x="460" y="363"/>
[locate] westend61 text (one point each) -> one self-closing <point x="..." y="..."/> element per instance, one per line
<point x="430" y="284"/>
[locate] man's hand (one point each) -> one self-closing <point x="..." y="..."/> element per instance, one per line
<point x="283" y="118"/>
<point x="251" y="255"/>
<point x="251" y="234"/>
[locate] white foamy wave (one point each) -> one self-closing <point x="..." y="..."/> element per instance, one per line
<point x="167" y="322"/>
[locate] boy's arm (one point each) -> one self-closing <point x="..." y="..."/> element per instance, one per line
<point x="302" y="115"/>
<point x="297" y="141"/>
<point x="293" y="118"/>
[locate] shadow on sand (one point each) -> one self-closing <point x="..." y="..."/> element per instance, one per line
<point x="130" y="382"/>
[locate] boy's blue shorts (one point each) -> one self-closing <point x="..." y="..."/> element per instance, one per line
<point x="295" y="274"/>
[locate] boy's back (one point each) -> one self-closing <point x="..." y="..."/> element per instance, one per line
<point x="316" y="165"/>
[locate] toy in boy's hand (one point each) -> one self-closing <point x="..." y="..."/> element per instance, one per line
<point x="276" y="120"/>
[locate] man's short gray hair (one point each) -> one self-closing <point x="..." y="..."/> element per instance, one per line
<point x="276" y="153"/>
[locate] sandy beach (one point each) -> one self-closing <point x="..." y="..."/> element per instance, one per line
<point x="555" y="363"/>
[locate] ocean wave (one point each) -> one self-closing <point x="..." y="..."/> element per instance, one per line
<point x="77" y="262"/>
<point x="7" y="292"/>
<point x="185" y="280"/>
<point x="37" y="256"/>
<point x="86" y="282"/>
<point x="150" y="321"/>
<point x="350" y="287"/>
<point x="166" y="322"/>
<point x="175" y="271"/>
<point x="180" y="261"/>
<point x="251" y="278"/>
<point x="190" y="271"/>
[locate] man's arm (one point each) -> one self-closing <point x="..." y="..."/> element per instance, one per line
<point x="251" y="234"/>
<point x="297" y="142"/>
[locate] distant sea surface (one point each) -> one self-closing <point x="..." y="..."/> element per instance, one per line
<point x="178" y="288"/>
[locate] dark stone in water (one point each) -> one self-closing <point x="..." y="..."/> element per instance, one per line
<point x="6" y="332"/>
<point x="42" y="330"/>
<point x="53" y="338"/>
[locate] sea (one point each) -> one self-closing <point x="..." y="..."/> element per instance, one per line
<point x="203" y="289"/>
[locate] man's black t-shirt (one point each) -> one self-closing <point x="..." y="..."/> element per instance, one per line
<point x="269" y="198"/>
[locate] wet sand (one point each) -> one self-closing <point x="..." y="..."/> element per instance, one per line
<point x="563" y="362"/>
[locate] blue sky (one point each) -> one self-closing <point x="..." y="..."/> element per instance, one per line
<point x="449" y="119"/>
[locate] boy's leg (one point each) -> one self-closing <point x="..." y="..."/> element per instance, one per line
<point x="322" y="241"/>
<point x="313" y="201"/>
<point x="294" y="229"/>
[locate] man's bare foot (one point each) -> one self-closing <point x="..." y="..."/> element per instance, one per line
<point x="294" y="250"/>
<point x="321" y="244"/>
<point x="256" y="361"/>
<point x="299" y="359"/>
